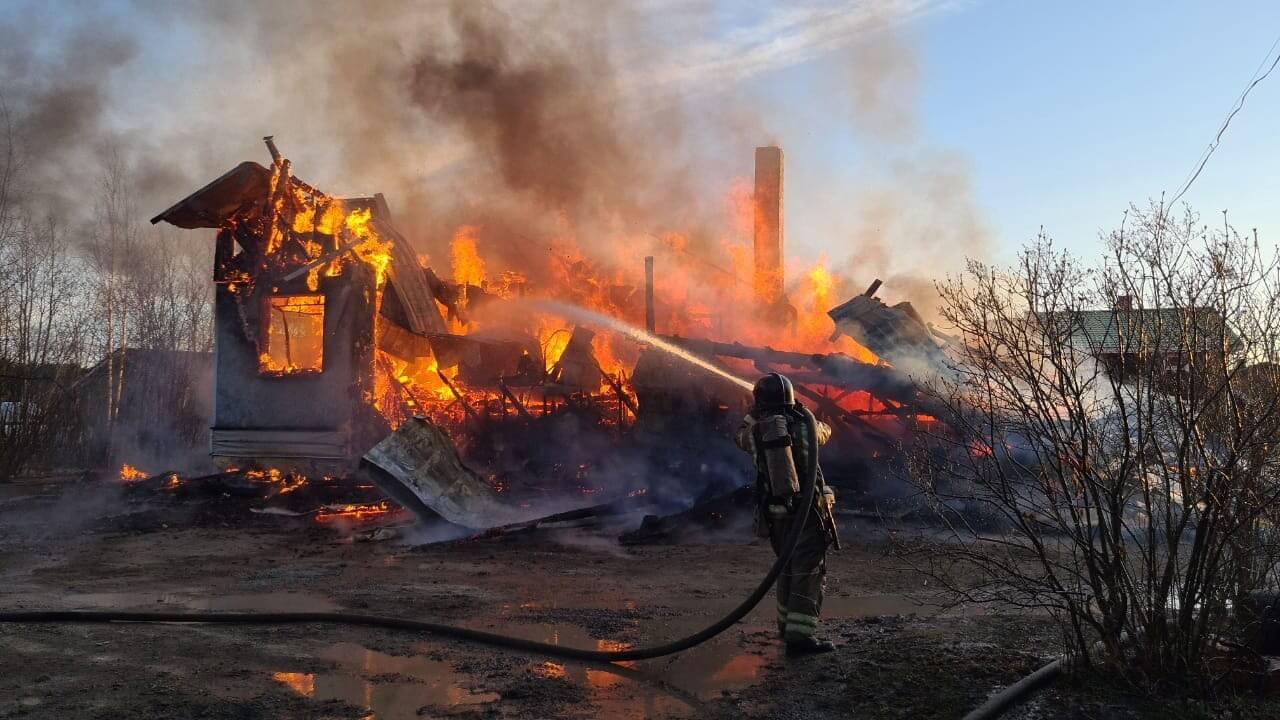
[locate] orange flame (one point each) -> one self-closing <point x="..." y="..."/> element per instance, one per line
<point x="354" y="513"/>
<point x="468" y="267"/>
<point x="282" y="481"/>
<point x="372" y="249"/>
<point x="129" y="473"/>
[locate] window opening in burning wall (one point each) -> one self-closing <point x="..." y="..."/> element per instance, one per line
<point x="294" y="335"/>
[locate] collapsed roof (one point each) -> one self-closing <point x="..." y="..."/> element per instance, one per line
<point x="237" y="192"/>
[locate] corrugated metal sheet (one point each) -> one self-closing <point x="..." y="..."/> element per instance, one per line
<point x="418" y="466"/>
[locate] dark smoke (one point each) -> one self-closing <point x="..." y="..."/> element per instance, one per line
<point x="55" y="96"/>
<point x="510" y="117"/>
<point x="545" y="122"/>
<point x="531" y="121"/>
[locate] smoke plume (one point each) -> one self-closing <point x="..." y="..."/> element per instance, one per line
<point x="530" y="121"/>
<point x="915" y="218"/>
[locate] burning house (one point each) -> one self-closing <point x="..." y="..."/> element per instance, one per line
<point x="330" y="333"/>
<point x="301" y="302"/>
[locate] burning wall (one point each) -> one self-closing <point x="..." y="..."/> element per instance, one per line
<point x="299" y="278"/>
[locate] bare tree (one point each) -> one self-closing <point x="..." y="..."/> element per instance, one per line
<point x="68" y="310"/>
<point x="153" y="301"/>
<point x="1118" y="428"/>
<point x="169" y="294"/>
<point x="39" y="355"/>
<point x="113" y="248"/>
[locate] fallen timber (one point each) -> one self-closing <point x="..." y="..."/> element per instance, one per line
<point x="834" y="369"/>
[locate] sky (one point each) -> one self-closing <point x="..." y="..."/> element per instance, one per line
<point x="1067" y="112"/>
<point x="916" y="132"/>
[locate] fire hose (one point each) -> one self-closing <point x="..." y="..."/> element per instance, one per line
<point x="804" y="513"/>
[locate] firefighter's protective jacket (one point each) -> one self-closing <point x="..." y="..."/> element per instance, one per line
<point x="748" y="438"/>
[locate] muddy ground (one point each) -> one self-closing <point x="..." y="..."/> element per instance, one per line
<point x="80" y="545"/>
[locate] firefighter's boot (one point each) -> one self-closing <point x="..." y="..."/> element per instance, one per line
<point x="808" y="645"/>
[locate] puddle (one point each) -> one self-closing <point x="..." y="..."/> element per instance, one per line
<point x="678" y="685"/>
<point x="197" y="600"/>
<point x="674" y="686"/>
<point x="389" y="687"/>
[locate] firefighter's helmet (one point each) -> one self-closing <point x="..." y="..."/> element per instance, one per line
<point x="774" y="391"/>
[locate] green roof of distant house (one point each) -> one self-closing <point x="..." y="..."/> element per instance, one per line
<point x="1149" y="330"/>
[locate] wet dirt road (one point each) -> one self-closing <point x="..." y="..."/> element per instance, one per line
<point x="897" y="658"/>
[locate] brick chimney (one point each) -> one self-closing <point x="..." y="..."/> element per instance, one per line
<point x="768" y="225"/>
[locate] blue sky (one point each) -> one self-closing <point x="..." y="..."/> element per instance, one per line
<point x="1067" y="112"/>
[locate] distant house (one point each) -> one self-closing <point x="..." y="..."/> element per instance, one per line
<point x="145" y="404"/>
<point x="1125" y="339"/>
<point x="27" y="393"/>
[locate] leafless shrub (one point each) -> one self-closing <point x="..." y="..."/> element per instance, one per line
<point x="1129" y="457"/>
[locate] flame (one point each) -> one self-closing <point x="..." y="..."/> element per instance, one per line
<point x="282" y="481"/>
<point x="468" y="267"/>
<point x="703" y="288"/>
<point x="553" y="338"/>
<point x="317" y="225"/>
<point x="294" y="335"/>
<point x="372" y="249"/>
<point x="129" y="473"/>
<point x="353" y="513"/>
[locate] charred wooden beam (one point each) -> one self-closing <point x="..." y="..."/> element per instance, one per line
<point x="320" y="261"/>
<point x="471" y="413"/>
<point x="715" y="514"/>
<point x="519" y="406"/>
<point x="835" y="413"/>
<point x="572" y="518"/>
<point x="276" y="157"/>
<point x="623" y="397"/>
<point x="279" y="159"/>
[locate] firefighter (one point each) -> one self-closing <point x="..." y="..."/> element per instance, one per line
<point x="775" y="433"/>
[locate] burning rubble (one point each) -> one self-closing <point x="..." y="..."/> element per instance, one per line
<point x="332" y="332"/>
